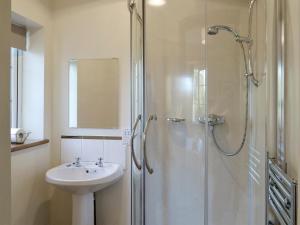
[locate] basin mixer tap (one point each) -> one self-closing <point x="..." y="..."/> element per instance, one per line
<point x="77" y="162"/>
<point x="100" y="162"/>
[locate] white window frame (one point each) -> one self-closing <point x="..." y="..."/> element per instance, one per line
<point x="16" y="76"/>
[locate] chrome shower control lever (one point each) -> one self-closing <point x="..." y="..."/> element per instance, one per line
<point x="212" y="120"/>
<point x="175" y="120"/>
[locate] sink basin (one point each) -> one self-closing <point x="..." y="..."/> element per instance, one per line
<point x="88" y="177"/>
<point x="82" y="181"/>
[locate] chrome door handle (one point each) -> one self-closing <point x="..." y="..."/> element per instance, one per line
<point x="137" y="164"/>
<point x="175" y="120"/>
<point x="151" y="117"/>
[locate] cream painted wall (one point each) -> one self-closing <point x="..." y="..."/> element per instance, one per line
<point x="93" y="29"/>
<point x="30" y="193"/>
<point x="36" y="10"/>
<point x="90" y="29"/>
<point x="4" y="113"/>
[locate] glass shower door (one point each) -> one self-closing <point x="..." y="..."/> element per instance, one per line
<point x="175" y="99"/>
<point x="179" y="76"/>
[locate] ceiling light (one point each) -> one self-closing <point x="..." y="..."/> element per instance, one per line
<point x="157" y="2"/>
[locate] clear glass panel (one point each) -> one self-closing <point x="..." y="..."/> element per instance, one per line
<point x="236" y="184"/>
<point x="137" y="109"/>
<point x="271" y="55"/>
<point x="188" y="75"/>
<point x="227" y="176"/>
<point x="257" y="135"/>
<point x="13" y="87"/>
<point x="16" y="68"/>
<point x="73" y="93"/>
<point x="175" y="89"/>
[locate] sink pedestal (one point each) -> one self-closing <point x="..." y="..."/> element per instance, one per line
<point x="83" y="209"/>
<point x="83" y="181"/>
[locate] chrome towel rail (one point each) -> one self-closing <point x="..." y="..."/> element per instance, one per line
<point x="281" y="194"/>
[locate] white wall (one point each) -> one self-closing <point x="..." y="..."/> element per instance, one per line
<point x="90" y="29"/>
<point x="4" y="113"/>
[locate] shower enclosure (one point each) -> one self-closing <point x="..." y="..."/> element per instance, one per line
<point x="181" y="77"/>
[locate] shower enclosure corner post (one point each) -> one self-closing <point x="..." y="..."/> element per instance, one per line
<point x="206" y="138"/>
<point x="143" y="187"/>
<point x="131" y="111"/>
<point x="281" y="147"/>
<point x="137" y="113"/>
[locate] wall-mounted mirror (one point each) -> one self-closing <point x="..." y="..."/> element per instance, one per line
<point x="94" y="93"/>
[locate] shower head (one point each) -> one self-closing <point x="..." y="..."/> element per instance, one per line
<point x="213" y="30"/>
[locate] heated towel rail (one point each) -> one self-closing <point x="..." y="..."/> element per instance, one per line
<point x="281" y="194"/>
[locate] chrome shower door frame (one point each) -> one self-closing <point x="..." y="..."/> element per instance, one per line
<point x="280" y="30"/>
<point x="137" y="114"/>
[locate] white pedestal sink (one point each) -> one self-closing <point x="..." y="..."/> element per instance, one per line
<point x="82" y="181"/>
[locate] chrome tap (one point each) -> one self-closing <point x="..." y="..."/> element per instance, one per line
<point x="77" y="162"/>
<point x="100" y="162"/>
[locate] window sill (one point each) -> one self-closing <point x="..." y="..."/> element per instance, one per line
<point x="28" y="144"/>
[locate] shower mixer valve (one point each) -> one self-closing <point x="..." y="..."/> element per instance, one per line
<point x="212" y="120"/>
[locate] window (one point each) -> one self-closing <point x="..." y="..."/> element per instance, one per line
<point x="28" y="78"/>
<point x="16" y="87"/>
